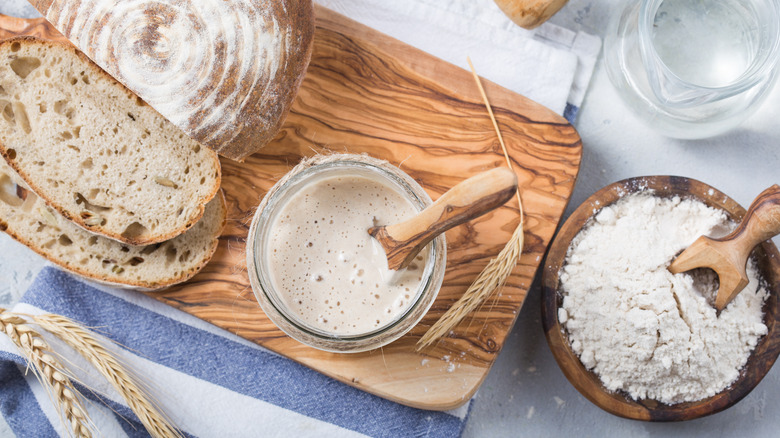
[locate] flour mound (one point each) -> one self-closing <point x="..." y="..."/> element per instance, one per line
<point x="641" y="329"/>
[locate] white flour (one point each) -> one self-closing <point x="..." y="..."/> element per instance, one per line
<point x="643" y="330"/>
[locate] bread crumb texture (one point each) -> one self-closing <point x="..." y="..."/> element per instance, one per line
<point x="94" y="151"/>
<point x="29" y="220"/>
<point x="640" y="328"/>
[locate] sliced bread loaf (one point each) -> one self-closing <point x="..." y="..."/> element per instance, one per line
<point x="94" y="151"/>
<point x="224" y="71"/>
<point x="26" y="218"/>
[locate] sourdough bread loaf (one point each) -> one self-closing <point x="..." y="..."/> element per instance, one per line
<point x="94" y="151"/>
<point x="26" y="218"/>
<point x="224" y="71"/>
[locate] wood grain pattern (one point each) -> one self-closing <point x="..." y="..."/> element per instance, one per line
<point x="468" y="200"/>
<point x="728" y="255"/>
<point x="588" y="383"/>
<point x="762" y="220"/>
<point x="224" y="72"/>
<point x="366" y="92"/>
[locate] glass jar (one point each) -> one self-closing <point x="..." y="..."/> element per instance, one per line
<point x="258" y="259"/>
<point x="694" y="69"/>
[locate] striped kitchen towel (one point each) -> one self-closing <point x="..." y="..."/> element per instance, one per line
<point x="210" y="383"/>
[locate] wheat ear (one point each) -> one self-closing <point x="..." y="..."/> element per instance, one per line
<point x="48" y="371"/>
<point x="85" y="343"/>
<point x="496" y="272"/>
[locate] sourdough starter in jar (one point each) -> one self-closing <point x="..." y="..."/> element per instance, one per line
<point x="326" y="267"/>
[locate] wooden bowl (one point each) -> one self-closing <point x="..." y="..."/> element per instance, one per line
<point x="588" y="383"/>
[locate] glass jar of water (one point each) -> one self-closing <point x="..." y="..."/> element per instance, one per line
<point x="694" y="68"/>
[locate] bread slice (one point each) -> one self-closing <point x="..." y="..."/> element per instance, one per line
<point x="94" y="151"/>
<point x="26" y="218"/>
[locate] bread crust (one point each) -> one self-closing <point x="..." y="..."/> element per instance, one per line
<point x="262" y="107"/>
<point x="248" y="140"/>
<point x="76" y="219"/>
<point x="116" y="281"/>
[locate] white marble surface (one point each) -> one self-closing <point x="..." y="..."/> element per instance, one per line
<point x="526" y="394"/>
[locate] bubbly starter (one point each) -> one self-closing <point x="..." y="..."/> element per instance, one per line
<point x="326" y="267"/>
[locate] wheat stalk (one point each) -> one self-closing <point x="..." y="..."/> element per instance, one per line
<point x="85" y="343"/>
<point x="496" y="272"/>
<point x="49" y="372"/>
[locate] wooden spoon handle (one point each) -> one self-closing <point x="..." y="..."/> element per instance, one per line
<point x="467" y="200"/>
<point x="761" y="222"/>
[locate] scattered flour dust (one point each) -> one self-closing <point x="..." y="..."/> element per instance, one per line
<point x="643" y="330"/>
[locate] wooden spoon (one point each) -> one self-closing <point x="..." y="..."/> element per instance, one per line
<point x="728" y="256"/>
<point x="467" y="200"/>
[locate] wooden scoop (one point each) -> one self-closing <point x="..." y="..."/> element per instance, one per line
<point x="469" y="199"/>
<point x="728" y="256"/>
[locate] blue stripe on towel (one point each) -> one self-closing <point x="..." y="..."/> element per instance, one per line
<point x="240" y="368"/>
<point x="18" y="405"/>
<point x="570" y="113"/>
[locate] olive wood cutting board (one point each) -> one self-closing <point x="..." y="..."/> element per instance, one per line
<point x="368" y="93"/>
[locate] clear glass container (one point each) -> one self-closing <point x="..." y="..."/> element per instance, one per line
<point x="258" y="259"/>
<point x="694" y="69"/>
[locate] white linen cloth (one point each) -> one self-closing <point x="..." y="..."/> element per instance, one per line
<point x="550" y="65"/>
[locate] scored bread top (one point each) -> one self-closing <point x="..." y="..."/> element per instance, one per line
<point x="94" y="151"/>
<point x="30" y="221"/>
<point x="224" y="71"/>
